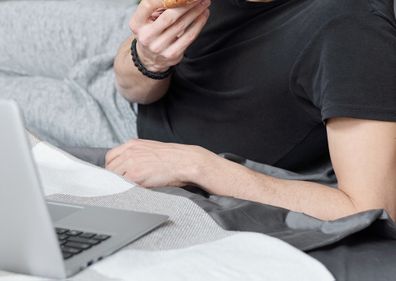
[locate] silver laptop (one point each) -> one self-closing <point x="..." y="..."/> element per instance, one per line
<point x="52" y="239"/>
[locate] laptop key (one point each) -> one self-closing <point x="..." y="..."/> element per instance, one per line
<point x="102" y="237"/>
<point x="69" y="250"/>
<point x="61" y="230"/>
<point x="76" y="245"/>
<point x="66" y="255"/>
<point x="83" y="240"/>
<point x="73" y="232"/>
<point x="87" y="235"/>
<point x="62" y="237"/>
<point x="73" y="242"/>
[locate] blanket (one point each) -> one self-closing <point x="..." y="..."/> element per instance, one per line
<point x="191" y="246"/>
<point x="56" y="56"/>
<point x="337" y="244"/>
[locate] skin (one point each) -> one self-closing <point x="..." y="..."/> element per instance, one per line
<point x="163" y="37"/>
<point x="363" y="152"/>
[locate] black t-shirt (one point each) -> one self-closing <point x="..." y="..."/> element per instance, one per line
<point x="261" y="79"/>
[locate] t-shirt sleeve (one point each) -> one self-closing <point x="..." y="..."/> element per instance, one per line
<point x="349" y="69"/>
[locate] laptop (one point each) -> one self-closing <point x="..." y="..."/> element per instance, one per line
<point x="47" y="238"/>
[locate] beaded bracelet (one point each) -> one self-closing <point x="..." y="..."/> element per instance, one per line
<point x="143" y="69"/>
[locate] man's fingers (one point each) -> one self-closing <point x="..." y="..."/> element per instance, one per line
<point x="121" y="166"/>
<point x="156" y="14"/>
<point x="150" y="22"/>
<point x="120" y="151"/>
<point x="143" y="13"/>
<point x="120" y="169"/>
<point x="165" y="39"/>
<point x="164" y="21"/>
<point x="116" y="152"/>
<point x="115" y="163"/>
<point x="185" y="40"/>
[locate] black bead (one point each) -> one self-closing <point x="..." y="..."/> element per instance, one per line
<point x="143" y="69"/>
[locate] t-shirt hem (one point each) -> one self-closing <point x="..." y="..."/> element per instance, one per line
<point x="365" y="113"/>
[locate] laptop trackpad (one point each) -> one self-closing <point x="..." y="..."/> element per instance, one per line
<point x="60" y="211"/>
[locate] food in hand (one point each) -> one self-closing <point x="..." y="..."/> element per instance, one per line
<point x="168" y="4"/>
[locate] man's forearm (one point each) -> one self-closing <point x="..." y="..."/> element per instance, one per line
<point x="230" y="179"/>
<point x="132" y="84"/>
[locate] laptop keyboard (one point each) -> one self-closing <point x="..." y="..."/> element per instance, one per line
<point x="74" y="242"/>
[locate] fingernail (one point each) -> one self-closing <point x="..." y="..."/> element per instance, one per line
<point x="205" y="2"/>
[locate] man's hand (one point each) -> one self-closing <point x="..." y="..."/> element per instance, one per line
<point x="162" y="38"/>
<point x="156" y="164"/>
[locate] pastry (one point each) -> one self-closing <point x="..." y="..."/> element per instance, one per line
<point x="176" y="3"/>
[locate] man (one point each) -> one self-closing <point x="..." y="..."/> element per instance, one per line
<point x="287" y="83"/>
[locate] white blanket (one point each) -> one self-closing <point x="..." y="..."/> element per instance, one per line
<point x="223" y="256"/>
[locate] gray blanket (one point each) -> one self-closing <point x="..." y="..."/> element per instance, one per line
<point x="337" y="244"/>
<point x="56" y="62"/>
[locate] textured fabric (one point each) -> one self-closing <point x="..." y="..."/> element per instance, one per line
<point x="244" y="256"/>
<point x="300" y="230"/>
<point x="56" y="60"/>
<point x="78" y="182"/>
<point x="189" y="224"/>
<point x="95" y="156"/>
<point x="261" y="78"/>
<point x="209" y="252"/>
<point x="337" y="244"/>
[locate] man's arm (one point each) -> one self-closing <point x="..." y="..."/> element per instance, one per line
<point x="161" y="43"/>
<point x="364" y="158"/>
<point x="363" y="155"/>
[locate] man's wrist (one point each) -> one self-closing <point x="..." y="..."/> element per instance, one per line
<point x="223" y="177"/>
<point x="199" y="164"/>
<point x="207" y="171"/>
